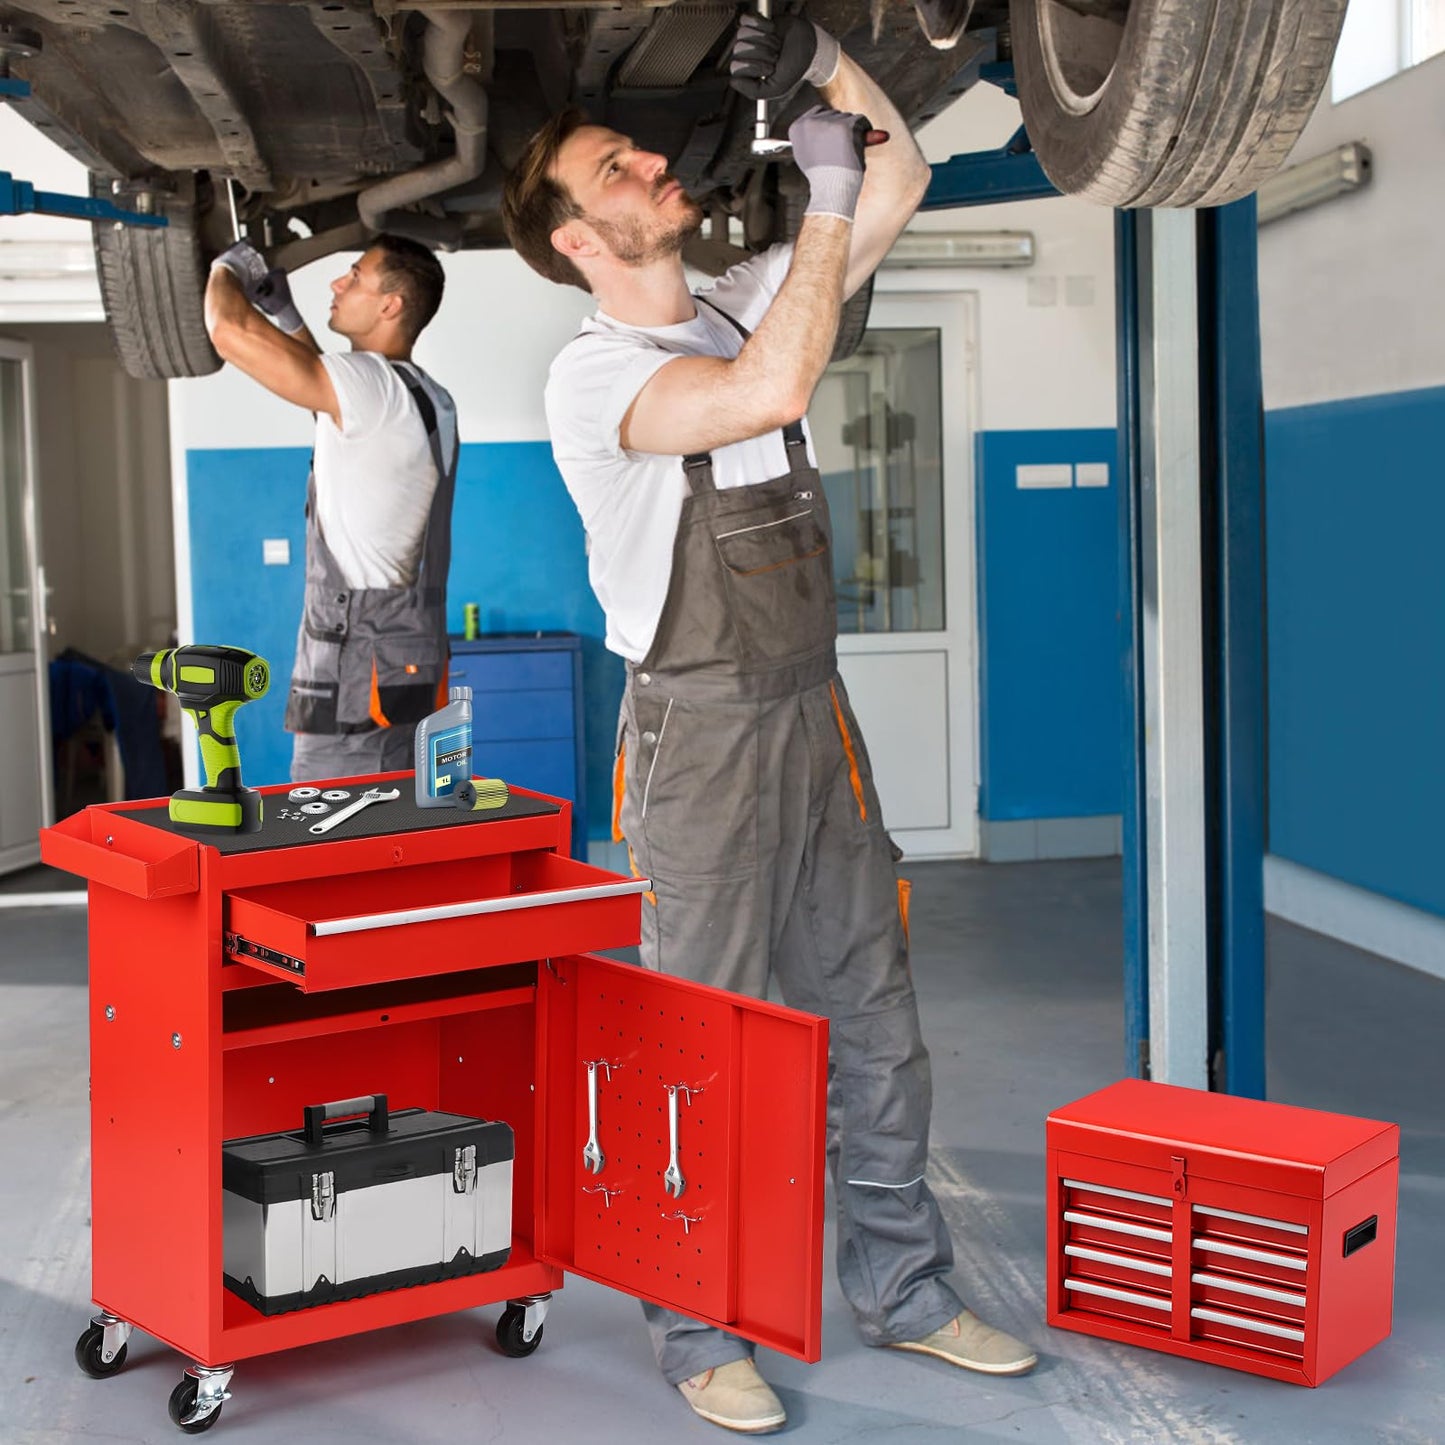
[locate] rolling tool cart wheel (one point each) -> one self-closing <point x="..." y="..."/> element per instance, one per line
<point x="89" y="1357"/>
<point x="509" y="1334"/>
<point x="183" y="1401"/>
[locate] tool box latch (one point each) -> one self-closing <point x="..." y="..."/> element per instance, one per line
<point x="1179" y="1181"/>
<point x="464" y="1170"/>
<point x="323" y="1195"/>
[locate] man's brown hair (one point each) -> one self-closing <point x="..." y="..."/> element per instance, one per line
<point x="534" y="205"/>
<point x="410" y="268"/>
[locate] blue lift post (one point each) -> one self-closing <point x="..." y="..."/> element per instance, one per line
<point x="1232" y="573"/>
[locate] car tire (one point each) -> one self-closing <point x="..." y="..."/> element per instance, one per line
<point x="1180" y="103"/>
<point x="152" y="280"/>
<point x="853" y="321"/>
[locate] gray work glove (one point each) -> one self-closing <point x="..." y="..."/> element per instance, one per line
<point x="770" y="59"/>
<point x="828" y="148"/>
<point x="244" y="262"/>
<point x="272" y="295"/>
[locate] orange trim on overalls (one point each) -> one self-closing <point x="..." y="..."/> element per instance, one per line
<point x="374" y="708"/>
<point x="637" y="873"/>
<point x="854" y="776"/>
<point x="905" y="893"/>
<point x="619" y="778"/>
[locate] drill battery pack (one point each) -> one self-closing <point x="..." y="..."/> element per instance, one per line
<point x="347" y="1207"/>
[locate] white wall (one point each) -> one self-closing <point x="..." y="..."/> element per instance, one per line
<point x="490" y="345"/>
<point x="1046" y="332"/>
<point x="1351" y="295"/>
<point x="47" y="263"/>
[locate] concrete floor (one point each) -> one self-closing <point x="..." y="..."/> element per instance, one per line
<point x="1018" y="972"/>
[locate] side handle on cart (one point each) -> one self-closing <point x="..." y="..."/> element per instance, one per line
<point x="372" y="1105"/>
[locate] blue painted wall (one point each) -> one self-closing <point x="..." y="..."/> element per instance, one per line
<point x="1050" y="709"/>
<point x="1355" y="509"/>
<point x="517" y="551"/>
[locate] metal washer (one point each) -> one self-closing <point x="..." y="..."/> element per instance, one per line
<point x="301" y="795"/>
<point x="316" y="807"/>
<point x="336" y="795"/>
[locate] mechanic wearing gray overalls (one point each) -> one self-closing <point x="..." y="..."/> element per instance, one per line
<point x="371" y="650"/>
<point x="743" y="787"/>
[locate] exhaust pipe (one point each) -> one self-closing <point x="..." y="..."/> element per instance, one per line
<point x="443" y="49"/>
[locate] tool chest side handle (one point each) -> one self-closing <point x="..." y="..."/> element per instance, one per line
<point x="372" y="1105"/>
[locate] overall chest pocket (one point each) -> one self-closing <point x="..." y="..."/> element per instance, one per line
<point x="778" y="572"/>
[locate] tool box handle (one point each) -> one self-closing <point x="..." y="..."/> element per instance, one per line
<point x="372" y="1105"/>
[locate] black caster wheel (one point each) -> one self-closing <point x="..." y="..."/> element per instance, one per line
<point x="509" y="1334"/>
<point x="87" y="1354"/>
<point x="183" y="1401"/>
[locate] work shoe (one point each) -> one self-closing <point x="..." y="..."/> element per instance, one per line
<point x="736" y="1397"/>
<point x="967" y="1341"/>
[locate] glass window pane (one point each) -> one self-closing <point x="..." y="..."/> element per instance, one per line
<point x="14" y="574"/>
<point x="877" y="427"/>
<point x="1369" y="49"/>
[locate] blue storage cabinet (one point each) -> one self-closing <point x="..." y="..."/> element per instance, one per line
<point x="527" y="714"/>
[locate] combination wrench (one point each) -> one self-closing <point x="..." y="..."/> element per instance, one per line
<point x="371" y="795"/>
<point x="592" y="1156"/>
<point x="672" y="1180"/>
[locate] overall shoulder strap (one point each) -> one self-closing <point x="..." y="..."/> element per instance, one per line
<point x="410" y="378"/>
<point x="792" y="433"/>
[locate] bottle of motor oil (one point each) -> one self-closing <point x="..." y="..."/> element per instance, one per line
<point x="444" y="750"/>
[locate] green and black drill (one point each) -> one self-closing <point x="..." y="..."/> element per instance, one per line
<point x="211" y="683"/>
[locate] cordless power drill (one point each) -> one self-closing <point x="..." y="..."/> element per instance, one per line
<point x="211" y="683"/>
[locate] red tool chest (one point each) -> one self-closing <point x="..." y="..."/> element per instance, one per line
<point x="1249" y="1234"/>
<point x="437" y="957"/>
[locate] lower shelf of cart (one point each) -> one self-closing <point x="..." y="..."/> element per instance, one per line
<point x="246" y="1332"/>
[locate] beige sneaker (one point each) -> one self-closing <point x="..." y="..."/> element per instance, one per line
<point x="968" y="1342"/>
<point x="736" y="1397"/>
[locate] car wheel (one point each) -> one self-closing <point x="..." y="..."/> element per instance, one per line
<point x="1169" y="102"/>
<point x="853" y="321"/>
<point x="152" y="281"/>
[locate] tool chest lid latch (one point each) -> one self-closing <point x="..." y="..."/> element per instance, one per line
<point x="1179" y="1179"/>
<point x="323" y="1195"/>
<point x="464" y="1170"/>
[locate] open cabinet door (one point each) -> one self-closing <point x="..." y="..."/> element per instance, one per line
<point x="740" y="1245"/>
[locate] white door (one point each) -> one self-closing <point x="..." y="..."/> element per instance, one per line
<point x="892" y="427"/>
<point x="25" y="795"/>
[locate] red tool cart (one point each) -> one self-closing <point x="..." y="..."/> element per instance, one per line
<point x="437" y="957"/>
<point x="1248" y="1234"/>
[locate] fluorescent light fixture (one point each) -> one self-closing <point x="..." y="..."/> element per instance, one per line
<point x="1296" y="188"/>
<point x="46" y="260"/>
<point x="962" y="248"/>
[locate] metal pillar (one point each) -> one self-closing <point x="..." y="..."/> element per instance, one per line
<point x="1191" y="458"/>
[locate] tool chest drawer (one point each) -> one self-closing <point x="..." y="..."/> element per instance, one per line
<point x="1249" y="1234"/>
<point x="358" y="928"/>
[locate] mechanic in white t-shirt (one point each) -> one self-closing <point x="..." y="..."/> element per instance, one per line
<point x="743" y="787"/>
<point x="371" y="652"/>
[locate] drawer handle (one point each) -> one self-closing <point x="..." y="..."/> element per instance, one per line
<point x="1118" y="1226"/>
<point x="1260" y="1327"/>
<point x="1239" y="1286"/>
<point x="506" y="904"/>
<point x="1252" y="1219"/>
<point x="1129" y="1296"/>
<point x="1120" y="1193"/>
<point x="1239" y="1251"/>
<point x="1122" y="1261"/>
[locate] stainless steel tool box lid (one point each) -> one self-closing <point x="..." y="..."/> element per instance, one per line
<point x="276" y="1168"/>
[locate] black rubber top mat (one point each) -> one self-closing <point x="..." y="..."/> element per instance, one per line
<point x="286" y="826"/>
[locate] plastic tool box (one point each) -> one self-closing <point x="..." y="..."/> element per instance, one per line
<point x="347" y="1208"/>
<point x="436" y="956"/>
<point x="1249" y="1234"/>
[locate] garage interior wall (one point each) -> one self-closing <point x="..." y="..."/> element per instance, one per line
<point x="1048" y="662"/>
<point x="1352" y="321"/>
